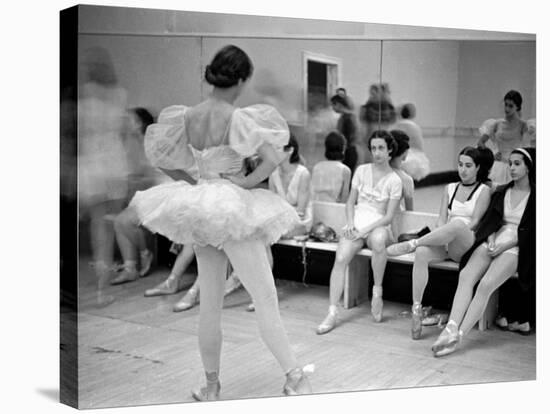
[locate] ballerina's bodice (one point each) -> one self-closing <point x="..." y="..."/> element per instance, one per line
<point x="214" y="161"/>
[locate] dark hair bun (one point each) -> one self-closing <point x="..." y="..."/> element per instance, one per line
<point x="218" y="79"/>
<point x="230" y="65"/>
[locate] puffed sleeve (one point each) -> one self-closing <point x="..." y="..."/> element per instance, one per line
<point x="395" y="187"/>
<point x="255" y="125"/>
<point x="488" y="127"/>
<point x="166" y="142"/>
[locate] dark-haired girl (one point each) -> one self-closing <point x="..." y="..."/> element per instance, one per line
<point x="374" y="198"/>
<point x="462" y="206"/>
<point x="292" y="181"/>
<point x="330" y="179"/>
<point x="507" y="134"/>
<point x="223" y="216"/>
<point x="504" y="244"/>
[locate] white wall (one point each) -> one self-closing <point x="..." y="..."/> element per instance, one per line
<point x="160" y="57"/>
<point x="426" y="74"/>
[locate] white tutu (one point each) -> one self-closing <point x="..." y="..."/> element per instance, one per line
<point x="417" y="164"/>
<point x="213" y="212"/>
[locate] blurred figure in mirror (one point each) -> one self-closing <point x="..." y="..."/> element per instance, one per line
<point x="330" y="180"/>
<point x="347" y="126"/>
<point x="378" y="113"/>
<point x="103" y="168"/>
<point x="417" y="164"/>
<point x="407" y="113"/>
<point x="344" y="94"/>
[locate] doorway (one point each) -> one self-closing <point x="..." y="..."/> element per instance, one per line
<point x="321" y="78"/>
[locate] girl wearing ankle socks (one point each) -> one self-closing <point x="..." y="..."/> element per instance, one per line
<point x="462" y="206"/>
<point x="504" y="244"/>
<point x="223" y="216"/>
<point x="374" y="198"/>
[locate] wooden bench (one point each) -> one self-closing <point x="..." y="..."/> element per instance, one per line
<point x="358" y="272"/>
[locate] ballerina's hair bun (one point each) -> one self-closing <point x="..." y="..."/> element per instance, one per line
<point x="230" y="65"/>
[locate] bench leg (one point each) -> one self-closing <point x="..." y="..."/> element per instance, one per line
<point x="356" y="281"/>
<point x="486" y="321"/>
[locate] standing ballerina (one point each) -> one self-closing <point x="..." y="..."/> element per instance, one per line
<point x="222" y="216"/>
<point x="506" y="134"/>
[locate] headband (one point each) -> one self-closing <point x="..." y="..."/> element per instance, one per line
<point x="524" y="152"/>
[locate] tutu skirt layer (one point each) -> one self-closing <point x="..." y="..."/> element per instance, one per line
<point x="213" y="213"/>
<point x="417" y="165"/>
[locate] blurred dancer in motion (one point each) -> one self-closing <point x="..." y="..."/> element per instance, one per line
<point x="378" y="113"/>
<point x="102" y="165"/>
<point x="141" y="176"/>
<point x="347" y="126"/>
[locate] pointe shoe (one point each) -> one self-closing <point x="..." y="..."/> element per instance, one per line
<point x="232" y="284"/>
<point x="211" y="392"/>
<point x="297" y="382"/>
<point x="328" y="324"/>
<point x="501" y="323"/>
<point x="125" y="276"/>
<point x="190" y="299"/>
<point x="145" y="260"/>
<point x="416" y="323"/>
<point x="520" y="328"/>
<point x="449" y="347"/>
<point x="167" y="287"/>
<point x="398" y="249"/>
<point x="447" y="337"/>
<point x="376" y="307"/>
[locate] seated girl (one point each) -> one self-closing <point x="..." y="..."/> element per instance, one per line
<point x="374" y="198"/>
<point x="292" y="181"/>
<point x="331" y="179"/>
<point x="504" y="244"/>
<point x="462" y="206"/>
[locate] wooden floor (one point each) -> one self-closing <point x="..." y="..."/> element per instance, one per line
<point x="137" y="351"/>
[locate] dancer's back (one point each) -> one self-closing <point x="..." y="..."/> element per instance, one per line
<point x="208" y="122"/>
